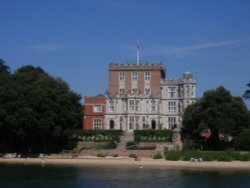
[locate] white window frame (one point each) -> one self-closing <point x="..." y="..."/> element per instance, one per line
<point x="97" y="108"/>
<point x="121" y="76"/>
<point x="172" y="91"/>
<point x="172" y="106"/>
<point x="121" y="90"/>
<point x="147" y="75"/>
<point x="111" y="105"/>
<point x="134" y="76"/>
<point x="131" y="122"/>
<point x="147" y="90"/>
<point x="121" y="122"/>
<point x="134" y="105"/>
<point x="171" y="122"/>
<point x="131" y="105"/>
<point x="144" y="122"/>
<point x="97" y="124"/>
<point x="134" y="90"/>
<point x="153" y="106"/>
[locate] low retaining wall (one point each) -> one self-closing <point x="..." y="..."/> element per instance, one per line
<point x="111" y="152"/>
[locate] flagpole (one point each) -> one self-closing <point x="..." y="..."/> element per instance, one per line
<point x="138" y="52"/>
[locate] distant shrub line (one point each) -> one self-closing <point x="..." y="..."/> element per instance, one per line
<point x="207" y="155"/>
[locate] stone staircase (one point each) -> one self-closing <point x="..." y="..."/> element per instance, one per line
<point x="127" y="137"/>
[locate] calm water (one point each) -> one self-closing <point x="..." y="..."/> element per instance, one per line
<point x="71" y="176"/>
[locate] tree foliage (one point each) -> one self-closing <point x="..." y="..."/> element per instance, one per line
<point x="38" y="113"/>
<point x="247" y="92"/>
<point x="242" y="142"/>
<point x="219" y="112"/>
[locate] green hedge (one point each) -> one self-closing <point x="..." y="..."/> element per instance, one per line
<point x="97" y="135"/>
<point x="207" y="155"/>
<point x="153" y="135"/>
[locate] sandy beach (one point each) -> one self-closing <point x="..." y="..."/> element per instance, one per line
<point x="129" y="162"/>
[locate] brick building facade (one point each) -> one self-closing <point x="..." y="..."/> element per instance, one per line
<point x="140" y="97"/>
<point x="94" y="113"/>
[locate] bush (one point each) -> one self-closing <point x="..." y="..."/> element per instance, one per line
<point x="223" y="156"/>
<point x="158" y="156"/>
<point x="153" y="135"/>
<point x="245" y="157"/>
<point x="242" y="142"/>
<point x="101" y="155"/>
<point x="132" y="155"/>
<point x="173" y="155"/>
<point x="135" y="147"/>
<point x="130" y="144"/>
<point x="115" y="155"/>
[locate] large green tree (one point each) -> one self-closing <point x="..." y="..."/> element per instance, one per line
<point x="218" y="112"/>
<point x="40" y="112"/>
<point x="4" y="98"/>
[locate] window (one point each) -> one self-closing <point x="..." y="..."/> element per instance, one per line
<point x="121" y="122"/>
<point x="111" y="106"/>
<point x="134" y="105"/>
<point x="137" y="102"/>
<point x="134" y="76"/>
<point x="144" y="122"/>
<point x="131" y="105"/>
<point x="97" y="108"/>
<point x="122" y="91"/>
<point x="153" y="106"/>
<point x="147" y="90"/>
<point x="171" y="122"/>
<point x="136" y="122"/>
<point x="147" y="76"/>
<point x="97" y="124"/>
<point x="122" y="76"/>
<point x="134" y="91"/>
<point x="171" y="106"/>
<point x="172" y="92"/>
<point x="133" y="122"/>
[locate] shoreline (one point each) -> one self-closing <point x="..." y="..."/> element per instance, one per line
<point x="129" y="162"/>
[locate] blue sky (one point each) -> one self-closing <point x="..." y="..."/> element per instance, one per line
<point x="77" y="39"/>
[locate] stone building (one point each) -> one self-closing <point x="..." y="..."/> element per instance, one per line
<point x="140" y="97"/>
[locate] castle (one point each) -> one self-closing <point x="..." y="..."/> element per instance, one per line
<point x="140" y="97"/>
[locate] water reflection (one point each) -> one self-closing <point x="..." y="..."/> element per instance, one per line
<point x="72" y="176"/>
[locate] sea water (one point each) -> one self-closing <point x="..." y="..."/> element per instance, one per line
<point x="97" y="177"/>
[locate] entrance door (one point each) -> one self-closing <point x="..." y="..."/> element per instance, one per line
<point x="111" y="124"/>
<point x="153" y="124"/>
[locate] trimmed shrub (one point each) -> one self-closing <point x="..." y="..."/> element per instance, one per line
<point x="132" y="155"/>
<point x="130" y="144"/>
<point x="158" y="156"/>
<point x="101" y="155"/>
<point x="173" y="155"/>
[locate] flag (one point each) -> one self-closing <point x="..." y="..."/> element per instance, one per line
<point x="138" y="45"/>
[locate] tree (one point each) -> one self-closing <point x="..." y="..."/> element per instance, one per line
<point x="4" y="97"/>
<point x="217" y="111"/>
<point x="247" y="92"/>
<point x="41" y="112"/>
<point x="242" y="142"/>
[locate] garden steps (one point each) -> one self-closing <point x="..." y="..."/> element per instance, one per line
<point x="126" y="137"/>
